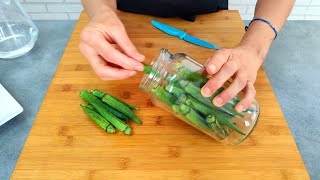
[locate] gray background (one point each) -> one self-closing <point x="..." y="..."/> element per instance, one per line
<point x="292" y="67"/>
<point x="27" y="79"/>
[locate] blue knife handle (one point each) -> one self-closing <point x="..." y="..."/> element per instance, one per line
<point x="169" y="30"/>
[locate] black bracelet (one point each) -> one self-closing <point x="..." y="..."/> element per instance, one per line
<point x="266" y="21"/>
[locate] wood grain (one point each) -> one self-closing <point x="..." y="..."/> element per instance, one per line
<point x="65" y="144"/>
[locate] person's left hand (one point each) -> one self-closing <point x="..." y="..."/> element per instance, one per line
<point x="240" y="63"/>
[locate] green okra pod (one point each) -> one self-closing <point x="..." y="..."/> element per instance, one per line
<point x="196" y="93"/>
<point x="111" y="101"/>
<point x="187" y="74"/>
<point x="225" y="132"/>
<point x="100" y="107"/>
<point x="231" y="126"/>
<point x="216" y="127"/>
<point x="222" y="117"/>
<point x="206" y="110"/>
<point x="128" y="131"/>
<point x="192" y="116"/>
<point x="148" y="70"/>
<point x="98" y="93"/>
<point x="89" y="106"/>
<point x="164" y="95"/>
<point x="174" y="89"/>
<point x="101" y="94"/>
<point x="108" y="108"/>
<point x="97" y="118"/>
<point x="198" y="80"/>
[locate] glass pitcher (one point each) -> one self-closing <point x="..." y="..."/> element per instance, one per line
<point x="174" y="85"/>
<point x="18" y="33"/>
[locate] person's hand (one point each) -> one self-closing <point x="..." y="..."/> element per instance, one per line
<point x="97" y="43"/>
<point x="240" y="63"/>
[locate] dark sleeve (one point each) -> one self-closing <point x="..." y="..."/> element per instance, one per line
<point x="187" y="9"/>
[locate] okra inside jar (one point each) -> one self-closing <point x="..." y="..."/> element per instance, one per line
<point x="174" y="84"/>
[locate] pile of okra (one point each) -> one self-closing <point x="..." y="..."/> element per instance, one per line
<point x="182" y="93"/>
<point x="109" y="112"/>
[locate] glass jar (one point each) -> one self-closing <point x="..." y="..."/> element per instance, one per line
<point x="174" y="85"/>
<point x="18" y="33"/>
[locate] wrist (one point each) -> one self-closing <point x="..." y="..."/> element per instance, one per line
<point x="259" y="52"/>
<point x="99" y="9"/>
<point x="107" y="17"/>
<point x="103" y="12"/>
<point x="258" y="39"/>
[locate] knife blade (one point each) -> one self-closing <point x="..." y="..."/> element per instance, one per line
<point x="182" y="35"/>
<point x="199" y="42"/>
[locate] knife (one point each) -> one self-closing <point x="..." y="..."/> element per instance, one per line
<point x="182" y="35"/>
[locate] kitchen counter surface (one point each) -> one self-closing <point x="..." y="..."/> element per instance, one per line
<point x="290" y="69"/>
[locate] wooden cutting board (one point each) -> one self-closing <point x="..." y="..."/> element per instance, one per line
<point x="65" y="144"/>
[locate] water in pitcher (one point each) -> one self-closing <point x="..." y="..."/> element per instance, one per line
<point x="16" y="39"/>
<point x="18" y="33"/>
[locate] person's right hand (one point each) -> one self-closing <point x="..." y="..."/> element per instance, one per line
<point x="97" y="44"/>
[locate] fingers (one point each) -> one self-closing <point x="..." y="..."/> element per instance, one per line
<point x="109" y="53"/>
<point x="236" y="86"/>
<point x="219" y="79"/>
<point x="100" y="66"/>
<point x="111" y="73"/>
<point x="250" y="93"/>
<point x="112" y="55"/>
<point x="227" y="63"/>
<point x="127" y="46"/>
<point x="218" y="59"/>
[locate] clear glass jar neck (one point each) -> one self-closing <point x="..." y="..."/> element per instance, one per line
<point x="162" y="69"/>
<point x="159" y="71"/>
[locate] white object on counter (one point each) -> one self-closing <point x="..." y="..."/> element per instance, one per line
<point x="9" y="107"/>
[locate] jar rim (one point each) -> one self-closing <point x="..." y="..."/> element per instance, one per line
<point x="148" y="79"/>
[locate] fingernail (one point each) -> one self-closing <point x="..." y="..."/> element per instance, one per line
<point x="207" y="61"/>
<point x="218" y="101"/>
<point x="140" y="57"/>
<point x="212" y="67"/>
<point x="132" y="73"/>
<point x="139" y="67"/>
<point x="240" y="108"/>
<point x="206" y="91"/>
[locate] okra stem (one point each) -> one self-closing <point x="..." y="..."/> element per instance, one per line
<point x="98" y="93"/>
<point x="147" y="69"/>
